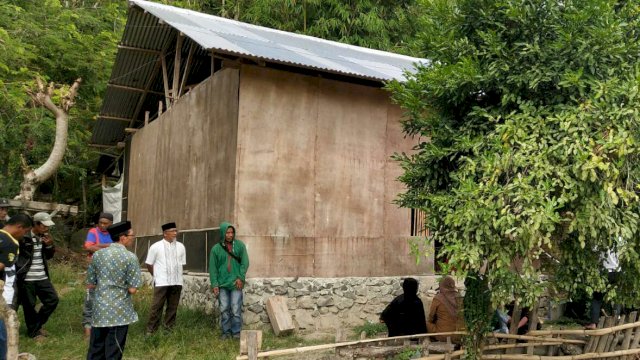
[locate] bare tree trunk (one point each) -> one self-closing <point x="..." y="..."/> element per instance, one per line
<point x="33" y="178"/>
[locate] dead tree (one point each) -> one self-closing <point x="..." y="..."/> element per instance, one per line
<point x="33" y="178"/>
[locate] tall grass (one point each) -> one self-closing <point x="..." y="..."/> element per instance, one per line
<point x="195" y="336"/>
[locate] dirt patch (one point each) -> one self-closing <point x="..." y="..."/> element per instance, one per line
<point x="70" y="257"/>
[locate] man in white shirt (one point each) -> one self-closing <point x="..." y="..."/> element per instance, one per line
<point x="611" y="265"/>
<point x="164" y="261"/>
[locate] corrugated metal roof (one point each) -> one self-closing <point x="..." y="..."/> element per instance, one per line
<point x="152" y="28"/>
<point x="217" y="33"/>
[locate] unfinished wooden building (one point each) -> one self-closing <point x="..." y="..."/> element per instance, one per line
<point x="287" y="136"/>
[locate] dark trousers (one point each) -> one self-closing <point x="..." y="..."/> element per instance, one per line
<point x="28" y="293"/>
<point x="598" y="297"/>
<point x="107" y="343"/>
<point x="161" y="295"/>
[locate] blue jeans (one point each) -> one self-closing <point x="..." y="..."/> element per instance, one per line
<point x="230" y="311"/>
<point x="87" y="309"/>
<point x="3" y="341"/>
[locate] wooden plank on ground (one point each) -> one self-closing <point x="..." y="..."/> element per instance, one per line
<point x="245" y="344"/>
<point x="279" y="315"/>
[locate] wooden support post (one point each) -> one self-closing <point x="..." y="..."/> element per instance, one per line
<point x="146" y="118"/>
<point x="187" y="67"/>
<point x="533" y="324"/>
<point x="593" y="339"/>
<point x="176" y="67"/>
<point x="165" y="82"/>
<point x="252" y="346"/>
<point x="513" y="327"/>
<point x="245" y="341"/>
<point x="160" y="108"/>
<point x="626" y="341"/>
<point x="602" y="341"/>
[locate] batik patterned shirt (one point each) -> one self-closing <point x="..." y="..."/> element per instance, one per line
<point x="114" y="270"/>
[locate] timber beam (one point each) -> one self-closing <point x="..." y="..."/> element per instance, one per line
<point x="123" y="87"/>
<point x="37" y="206"/>
<point x="149" y="51"/>
<point x="106" y="117"/>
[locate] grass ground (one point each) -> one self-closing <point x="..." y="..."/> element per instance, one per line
<point x="194" y="337"/>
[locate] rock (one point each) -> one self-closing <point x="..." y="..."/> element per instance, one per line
<point x="325" y="301"/>
<point x="256" y="308"/>
<point x="344" y="303"/>
<point x="280" y="290"/>
<point x="296" y="285"/>
<point x="303" y="319"/>
<point x="361" y="300"/>
<point x="277" y="282"/>
<point x="305" y="302"/>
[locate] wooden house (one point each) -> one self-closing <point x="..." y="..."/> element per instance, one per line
<point x="287" y="136"/>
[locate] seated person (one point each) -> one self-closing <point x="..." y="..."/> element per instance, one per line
<point x="502" y="320"/>
<point x="443" y="314"/>
<point x="405" y="314"/>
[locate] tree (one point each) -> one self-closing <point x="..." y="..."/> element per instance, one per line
<point x="527" y="124"/>
<point x="59" y="42"/>
<point x="33" y="178"/>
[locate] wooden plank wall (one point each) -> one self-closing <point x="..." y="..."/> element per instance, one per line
<point x="182" y="165"/>
<point x="315" y="183"/>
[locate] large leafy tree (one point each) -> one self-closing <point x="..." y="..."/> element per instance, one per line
<point x="56" y="41"/>
<point x="528" y="153"/>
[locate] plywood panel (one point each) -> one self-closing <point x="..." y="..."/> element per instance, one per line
<point x="273" y="256"/>
<point x="221" y="137"/>
<point x="277" y="122"/>
<point x="350" y="160"/>
<point x="397" y="221"/>
<point x="349" y="256"/>
<point x="399" y="261"/>
<point x="183" y="164"/>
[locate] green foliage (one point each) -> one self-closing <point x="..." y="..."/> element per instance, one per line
<point x="527" y="121"/>
<point x="371" y="329"/>
<point x="477" y="312"/>
<point x="58" y="42"/>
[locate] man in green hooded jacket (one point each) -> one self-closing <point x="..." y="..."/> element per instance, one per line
<point x="228" y="264"/>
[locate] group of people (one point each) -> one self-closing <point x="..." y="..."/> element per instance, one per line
<point x="25" y="248"/>
<point x="113" y="277"/>
<point x="405" y="314"/>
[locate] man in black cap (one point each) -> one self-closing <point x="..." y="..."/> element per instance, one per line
<point x="32" y="274"/>
<point x="164" y="261"/>
<point x="114" y="273"/>
<point x="97" y="238"/>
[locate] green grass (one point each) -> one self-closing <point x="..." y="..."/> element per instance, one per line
<point x="194" y="337"/>
<point x="371" y="329"/>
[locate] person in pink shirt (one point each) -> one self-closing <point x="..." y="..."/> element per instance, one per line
<point x="97" y="238"/>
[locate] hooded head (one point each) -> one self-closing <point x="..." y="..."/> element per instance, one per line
<point x="447" y="283"/>
<point x="410" y="287"/>
<point x="224" y="227"/>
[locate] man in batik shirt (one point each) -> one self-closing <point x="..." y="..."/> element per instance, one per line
<point x="114" y="272"/>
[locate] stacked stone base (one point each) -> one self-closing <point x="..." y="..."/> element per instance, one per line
<point x="315" y="304"/>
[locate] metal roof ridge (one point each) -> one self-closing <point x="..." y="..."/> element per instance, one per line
<point x="264" y="28"/>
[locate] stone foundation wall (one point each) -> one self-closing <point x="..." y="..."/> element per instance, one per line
<point x="315" y="304"/>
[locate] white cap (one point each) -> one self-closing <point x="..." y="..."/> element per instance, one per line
<point x="44" y="218"/>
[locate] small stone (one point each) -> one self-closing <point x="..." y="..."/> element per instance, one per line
<point x="305" y="302"/>
<point x="325" y="301"/>
<point x="361" y="300"/>
<point x="296" y="285"/>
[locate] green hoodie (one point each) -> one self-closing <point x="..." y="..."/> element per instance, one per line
<point x="220" y="261"/>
